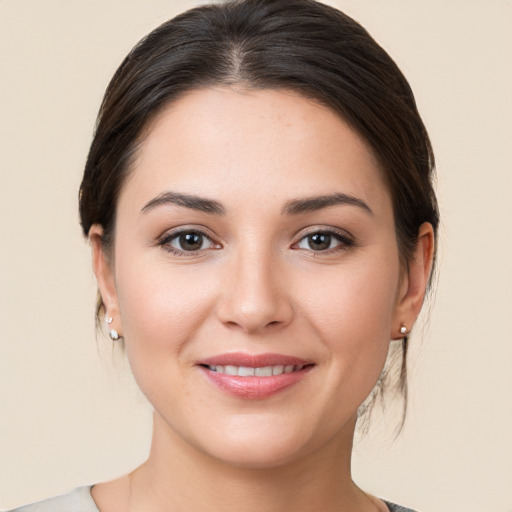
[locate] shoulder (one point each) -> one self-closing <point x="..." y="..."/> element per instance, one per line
<point x="397" y="508"/>
<point x="79" y="500"/>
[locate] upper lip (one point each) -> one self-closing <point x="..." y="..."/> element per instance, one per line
<point x="253" y="360"/>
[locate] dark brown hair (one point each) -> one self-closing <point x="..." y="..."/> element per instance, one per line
<point x="298" y="45"/>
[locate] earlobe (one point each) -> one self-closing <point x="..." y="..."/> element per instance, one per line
<point x="415" y="285"/>
<point x="104" y="272"/>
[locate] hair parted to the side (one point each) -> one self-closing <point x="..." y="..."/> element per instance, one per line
<point x="298" y="45"/>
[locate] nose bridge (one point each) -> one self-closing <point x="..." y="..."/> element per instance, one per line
<point x="255" y="294"/>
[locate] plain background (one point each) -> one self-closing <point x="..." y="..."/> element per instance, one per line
<point x="69" y="411"/>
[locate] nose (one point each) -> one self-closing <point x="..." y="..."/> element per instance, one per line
<point x="255" y="296"/>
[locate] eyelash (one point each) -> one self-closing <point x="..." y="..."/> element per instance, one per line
<point x="344" y="241"/>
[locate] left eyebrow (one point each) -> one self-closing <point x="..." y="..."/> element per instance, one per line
<point x="193" y="202"/>
<point x="314" y="203"/>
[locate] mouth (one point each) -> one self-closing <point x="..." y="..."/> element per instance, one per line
<point x="254" y="377"/>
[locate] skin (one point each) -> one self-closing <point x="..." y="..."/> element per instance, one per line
<point x="256" y="285"/>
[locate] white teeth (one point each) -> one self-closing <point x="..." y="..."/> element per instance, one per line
<point x="263" y="372"/>
<point x="229" y="370"/>
<point x="246" y="371"/>
<point x="277" y="370"/>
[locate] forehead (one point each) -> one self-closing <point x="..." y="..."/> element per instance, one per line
<point x="219" y="142"/>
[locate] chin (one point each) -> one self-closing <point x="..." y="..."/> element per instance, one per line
<point x="261" y="443"/>
<point x="258" y="456"/>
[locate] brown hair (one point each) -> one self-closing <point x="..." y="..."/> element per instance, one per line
<point x="299" y="45"/>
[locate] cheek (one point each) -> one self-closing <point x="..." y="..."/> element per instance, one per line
<point x="354" y="299"/>
<point x="161" y="305"/>
<point x="352" y="311"/>
<point x="162" y="308"/>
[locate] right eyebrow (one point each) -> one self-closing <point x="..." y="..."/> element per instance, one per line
<point x="314" y="203"/>
<point x="193" y="202"/>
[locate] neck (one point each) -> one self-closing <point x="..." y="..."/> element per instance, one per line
<point x="177" y="475"/>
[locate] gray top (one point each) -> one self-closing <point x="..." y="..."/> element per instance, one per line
<point x="80" y="500"/>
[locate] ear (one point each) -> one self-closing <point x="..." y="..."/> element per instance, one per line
<point x="104" y="271"/>
<point x="414" y="283"/>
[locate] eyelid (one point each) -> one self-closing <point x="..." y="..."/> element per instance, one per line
<point x="311" y="230"/>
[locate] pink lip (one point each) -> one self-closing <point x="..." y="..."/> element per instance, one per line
<point x="255" y="388"/>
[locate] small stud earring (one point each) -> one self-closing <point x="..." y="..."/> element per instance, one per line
<point x="113" y="334"/>
<point x="403" y="329"/>
<point x="108" y="319"/>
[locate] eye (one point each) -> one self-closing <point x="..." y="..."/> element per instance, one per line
<point x="188" y="241"/>
<point x="322" y="241"/>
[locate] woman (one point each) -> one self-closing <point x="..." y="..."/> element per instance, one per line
<point x="258" y="197"/>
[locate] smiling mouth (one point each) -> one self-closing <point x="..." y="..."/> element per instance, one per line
<point x="254" y="377"/>
<point x="261" y="371"/>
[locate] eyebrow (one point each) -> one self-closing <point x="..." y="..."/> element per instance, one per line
<point x="193" y="202"/>
<point x="309" y="204"/>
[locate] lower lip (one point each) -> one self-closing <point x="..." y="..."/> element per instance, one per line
<point x="255" y="388"/>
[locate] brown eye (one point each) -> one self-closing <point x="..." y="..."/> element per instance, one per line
<point x="188" y="241"/>
<point x="319" y="241"/>
<point x="324" y="241"/>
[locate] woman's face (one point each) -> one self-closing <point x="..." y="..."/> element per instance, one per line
<point x="255" y="275"/>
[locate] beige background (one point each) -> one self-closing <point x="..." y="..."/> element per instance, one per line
<point x="69" y="416"/>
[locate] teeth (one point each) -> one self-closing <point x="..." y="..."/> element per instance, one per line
<point x="277" y="370"/>
<point x="263" y="372"/>
<point x="246" y="371"/>
<point x="229" y="370"/>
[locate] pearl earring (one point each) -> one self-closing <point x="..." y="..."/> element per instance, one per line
<point x="113" y="334"/>
<point x="403" y="329"/>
